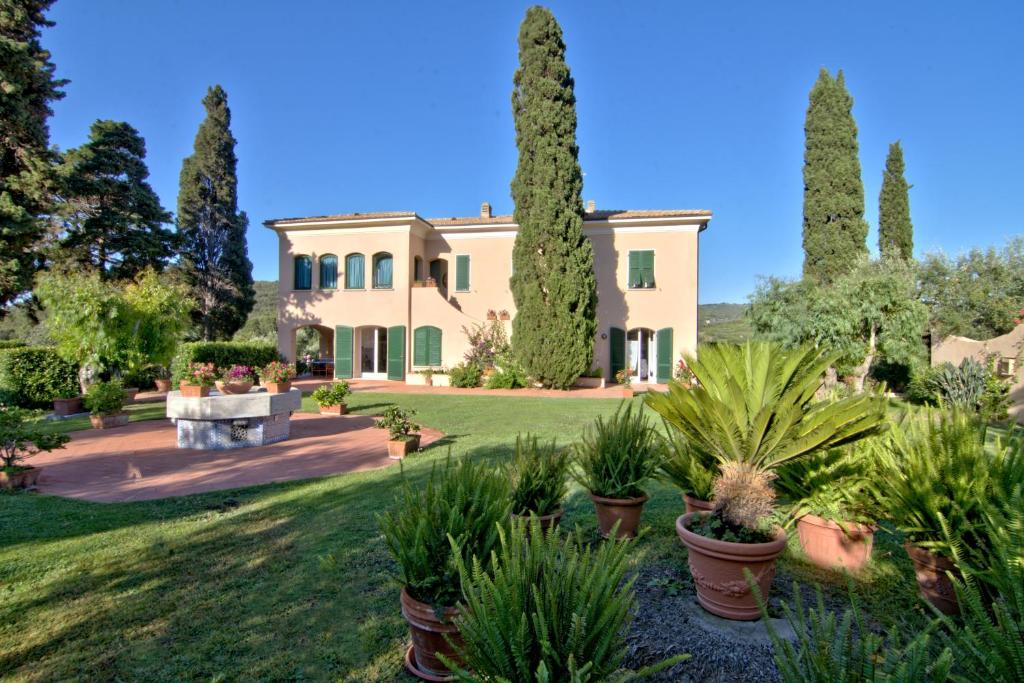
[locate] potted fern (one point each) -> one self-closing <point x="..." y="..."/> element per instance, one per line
<point x="21" y="437"/>
<point x="753" y="408"/>
<point x="403" y="433"/>
<point x="331" y="398"/>
<point x="455" y="516"/>
<point x="105" y="401"/>
<point x="691" y="470"/>
<point x="614" y="458"/>
<point x="539" y="473"/>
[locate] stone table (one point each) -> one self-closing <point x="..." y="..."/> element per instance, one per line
<point x="222" y="421"/>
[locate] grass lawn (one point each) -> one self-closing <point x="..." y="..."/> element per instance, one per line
<point x="285" y="581"/>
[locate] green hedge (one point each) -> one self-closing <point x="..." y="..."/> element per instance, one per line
<point x="11" y="344"/>
<point x="222" y="354"/>
<point x="32" y="376"/>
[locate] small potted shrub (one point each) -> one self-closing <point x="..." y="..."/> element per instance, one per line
<point x="21" y="437"/>
<point x="68" y="404"/>
<point x="331" y="398"/>
<point x="198" y="379"/>
<point x="623" y="378"/>
<point x="455" y="516"/>
<point x="691" y="470"/>
<point x="403" y="436"/>
<point x="277" y="377"/>
<point x="161" y="379"/>
<point x="539" y="473"/>
<point x="237" y="379"/>
<point x="105" y="401"/>
<point x="613" y="460"/>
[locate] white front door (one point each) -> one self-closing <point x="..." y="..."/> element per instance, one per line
<point x="373" y="353"/>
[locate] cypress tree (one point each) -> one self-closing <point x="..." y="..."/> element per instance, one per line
<point x="26" y="161"/>
<point x="835" y="231"/>
<point x="895" y="231"/>
<point x="112" y="218"/>
<point x="215" y="258"/>
<point x="553" y="282"/>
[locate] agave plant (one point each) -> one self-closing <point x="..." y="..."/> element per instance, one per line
<point x="753" y="410"/>
<point x="961" y="386"/>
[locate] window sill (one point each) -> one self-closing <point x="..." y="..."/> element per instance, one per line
<point x="642" y="289"/>
<point x="383" y="289"/>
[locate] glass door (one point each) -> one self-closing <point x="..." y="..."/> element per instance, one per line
<point x="373" y="353"/>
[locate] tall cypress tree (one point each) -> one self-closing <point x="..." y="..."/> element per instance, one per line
<point x="215" y="258"/>
<point x="553" y="282"/>
<point x="895" y="231"/>
<point x="835" y="231"/>
<point x="112" y="218"/>
<point x="26" y="162"/>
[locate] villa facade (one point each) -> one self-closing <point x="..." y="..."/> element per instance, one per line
<point x="392" y="293"/>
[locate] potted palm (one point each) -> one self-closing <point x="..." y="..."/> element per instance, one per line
<point x="614" y="458"/>
<point x="455" y="516"/>
<point x="21" y="437"/>
<point x="198" y="379"/>
<point x="331" y="398"/>
<point x="753" y="409"/>
<point x="105" y="401"/>
<point x="277" y="377"/>
<point x="237" y="379"/>
<point x="403" y="433"/>
<point x="691" y="470"/>
<point x="538" y="472"/>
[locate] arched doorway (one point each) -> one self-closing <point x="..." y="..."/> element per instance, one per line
<point x="641" y="355"/>
<point x="312" y="349"/>
<point x="373" y="352"/>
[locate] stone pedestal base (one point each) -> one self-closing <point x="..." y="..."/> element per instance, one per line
<point x="243" y="432"/>
<point x="223" y="421"/>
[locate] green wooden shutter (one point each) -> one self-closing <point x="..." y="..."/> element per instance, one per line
<point x="434" y="354"/>
<point x="342" y="352"/>
<point x="396" y="352"/>
<point x="664" y="340"/>
<point x="462" y="273"/>
<point x="617" y="350"/>
<point x="419" y="346"/>
<point x="635" y="274"/>
<point x="647" y="268"/>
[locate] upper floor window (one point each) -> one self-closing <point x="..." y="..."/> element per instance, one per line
<point x="303" y="272"/>
<point x="641" y="269"/>
<point x="354" y="271"/>
<point x="462" y="273"/>
<point x="417" y="269"/>
<point x="382" y="271"/>
<point x="328" y="271"/>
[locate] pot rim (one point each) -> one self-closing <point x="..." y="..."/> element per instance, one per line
<point x="729" y="549"/>
<point x="620" y="502"/>
<point x="928" y="558"/>
<point x="825" y="522"/>
<point x="449" y="612"/>
<point x="551" y="515"/>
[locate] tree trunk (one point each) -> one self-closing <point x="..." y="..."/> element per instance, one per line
<point x="861" y="372"/>
<point x="85" y="376"/>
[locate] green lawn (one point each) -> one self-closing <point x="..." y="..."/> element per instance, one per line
<point x="284" y="581"/>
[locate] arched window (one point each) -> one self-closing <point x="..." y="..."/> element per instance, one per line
<point x="382" y="271"/>
<point x="303" y="272"/>
<point x="328" y="271"/>
<point x="354" y="271"/>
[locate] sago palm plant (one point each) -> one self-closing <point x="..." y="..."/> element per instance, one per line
<point x="692" y="470"/>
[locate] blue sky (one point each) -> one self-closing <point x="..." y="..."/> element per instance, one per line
<point x="405" y="106"/>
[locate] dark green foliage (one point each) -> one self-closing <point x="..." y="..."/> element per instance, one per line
<point x="833" y="484"/>
<point x="398" y="422"/>
<point x="261" y="325"/>
<point x="553" y="282"/>
<point x="834" y="227"/>
<point x="333" y="394"/>
<point x="465" y="375"/>
<point x="112" y="218"/>
<point x="31" y="377"/>
<point x="26" y="171"/>
<point x="968" y="386"/>
<point x="547" y="611"/>
<point x="895" y="231"/>
<point x="11" y="344"/>
<point x="215" y="256"/>
<point x="105" y="398"/>
<point x="21" y="437"/>
<point x="615" y="456"/>
<point x="539" y="473"/>
<point x="508" y="374"/>
<point x="691" y="469"/>
<point x="222" y="355"/>
<point x="454" y="516"/>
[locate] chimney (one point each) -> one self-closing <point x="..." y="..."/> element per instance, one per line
<point x="485" y="210"/>
<point x="591" y="206"/>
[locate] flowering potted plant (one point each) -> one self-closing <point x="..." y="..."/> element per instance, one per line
<point x="403" y="433"/>
<point x="277" y="377"/>
<point x="331" y="398"/>
<point x="236" y="380"/>
<point x="199" y="377"/>
<point x="623" y="377"/>
<point x="21" y="438"/>
<point x="105" y="401"/>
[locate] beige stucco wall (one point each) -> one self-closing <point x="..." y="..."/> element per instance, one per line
<point x="954" y="349"/>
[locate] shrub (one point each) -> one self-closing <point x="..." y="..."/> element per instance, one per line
<point x="538" y="473"/>
<point x="11" y="344"/>
<point x="32" y="376"/>
<point x="617" y="455"/>
<point x="921" y="387"/>
<point x="689" y="468"/>
<point x="277" y="372"/>
<point x="222" y="355"/>
<point x="508" y="374"/>
<point x="467" y="501"/>
<point x="327" y="395"/>
<point x="465" y="375"/>
<point x="546" y="610"/>
<point x="398" y="422"/>
<point x="105" y="398"/>
<point x="21" y="437"/>
<point x="487" y="343"/>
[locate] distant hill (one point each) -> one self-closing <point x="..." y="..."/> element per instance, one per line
<point x="262" y="322"/>
<point x="723" y="322"/>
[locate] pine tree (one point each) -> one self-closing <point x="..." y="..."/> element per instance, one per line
<point x="553" y="282"/>
<point x="27" y="89"/>
<point x="895" y="231"/>
<point x="215" y="258"/>
<point x="112" y="218"/>
<point x="835" y="231"/>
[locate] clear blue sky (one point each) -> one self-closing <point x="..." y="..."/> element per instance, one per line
<point x="370" y="106"/>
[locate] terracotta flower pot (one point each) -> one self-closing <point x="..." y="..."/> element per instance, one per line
<point x="340" y="409"/>
<point x="399" y="448"/>
<point x="717" y="570"/>
<point x="162" y="385"/>
<point x="193" y="390"/>
<point x="278" y="387"/>
<point x="611" y="510"/>
<point x="696" y="504"/>
<point x="546" y="521"/>
<point x="428" y="639"/>
<point x="129" y="394"/>
<point x="21" y="479"/>
<point x="828" y="546"/>
<point x="233" y="387"/>
<point x="108" y="421"/>
<point x="62" y="407"/>
<point x="933" y="583"/>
